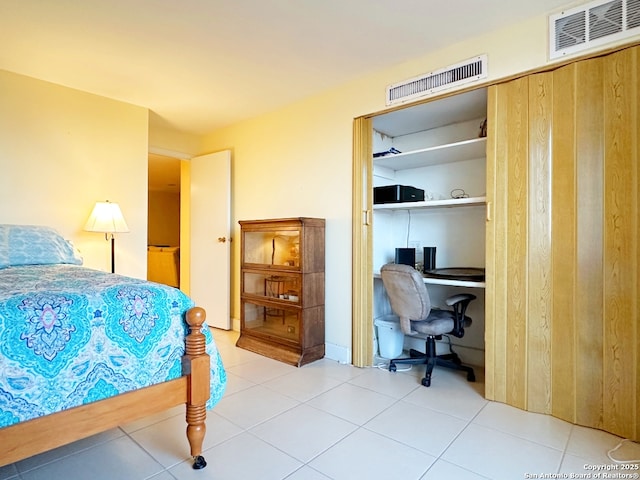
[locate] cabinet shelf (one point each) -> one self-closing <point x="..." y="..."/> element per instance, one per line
<point x="450" y="152"/>
<point x="447" y="203"/>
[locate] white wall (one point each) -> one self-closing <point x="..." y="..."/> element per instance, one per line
<point x="457" y="233"/>
<point x="61" y="150"/>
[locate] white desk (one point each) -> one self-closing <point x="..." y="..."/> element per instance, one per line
<point x="450" y="283"/>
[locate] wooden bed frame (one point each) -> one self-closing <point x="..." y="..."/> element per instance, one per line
<point x="38" y="435"/>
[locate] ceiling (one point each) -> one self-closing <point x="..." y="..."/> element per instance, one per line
<point x="199" y="65"/>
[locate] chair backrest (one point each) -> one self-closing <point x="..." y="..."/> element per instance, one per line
<point x="407" y="292"/>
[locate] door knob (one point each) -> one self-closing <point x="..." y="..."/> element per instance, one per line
<point x="222" y="239"/>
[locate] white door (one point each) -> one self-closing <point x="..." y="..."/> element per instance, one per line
<point x="210" y="236"/>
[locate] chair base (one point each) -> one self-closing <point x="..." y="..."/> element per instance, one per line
<point x="430" y="359"/>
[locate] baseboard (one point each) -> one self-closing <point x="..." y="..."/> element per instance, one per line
<point x="338" y="353"/>
<point x="333" y="352"/>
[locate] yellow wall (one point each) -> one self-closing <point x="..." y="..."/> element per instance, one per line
<point x="164" y="219"/>
<point x="61" y="150"/>
<point x="297" y="161"/>
<point x="171" y="143"/>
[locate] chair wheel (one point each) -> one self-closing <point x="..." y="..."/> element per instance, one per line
<point x="392" y="367"/>
<point x="471" y="377"/>
<point x="426" y="382"/>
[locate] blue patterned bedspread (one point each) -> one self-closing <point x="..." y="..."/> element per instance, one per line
<point x="70" y="335"/>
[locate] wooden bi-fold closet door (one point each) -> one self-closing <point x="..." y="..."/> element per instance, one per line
<point x="563" y="248"/>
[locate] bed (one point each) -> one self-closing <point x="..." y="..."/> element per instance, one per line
<point x="83" y="351"/>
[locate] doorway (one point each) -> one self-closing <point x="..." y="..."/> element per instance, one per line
<point x="163" y="217"/>
<point x="189" y="219"/>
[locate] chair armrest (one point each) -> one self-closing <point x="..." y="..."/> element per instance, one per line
<point x="452" y="300"/>
<point x="459" y="303"/>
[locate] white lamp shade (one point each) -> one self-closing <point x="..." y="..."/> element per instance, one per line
<point x="106" y="217"/>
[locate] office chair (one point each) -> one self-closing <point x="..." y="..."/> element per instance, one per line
<point x="410" y="301"/>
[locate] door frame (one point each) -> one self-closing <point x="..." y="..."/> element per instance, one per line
<point x="185" y="220"/>
<point x="362" y="246"/>
<point x="362" y="228"/>
<point x="185" y="209"/>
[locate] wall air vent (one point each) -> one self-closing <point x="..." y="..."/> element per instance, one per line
<point x="443" y="79"/>
<point x="591" y="25"/>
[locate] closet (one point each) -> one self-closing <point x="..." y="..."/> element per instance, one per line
<point x="562" y="250"/>
<point x="438" y="148"/>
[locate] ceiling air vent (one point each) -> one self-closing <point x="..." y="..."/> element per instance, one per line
<point x="445" y="78"/>
<point x="591" y="25"/>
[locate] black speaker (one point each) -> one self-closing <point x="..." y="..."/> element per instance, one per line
<point x="429" y="258"/>
<point x="406" y="256"/>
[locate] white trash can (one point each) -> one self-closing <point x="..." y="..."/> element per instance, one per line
<point x="390" y="336"/>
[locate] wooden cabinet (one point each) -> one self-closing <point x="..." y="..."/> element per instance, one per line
<point x="282" y="289"/>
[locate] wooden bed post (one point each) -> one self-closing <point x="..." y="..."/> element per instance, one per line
<point x="196" y="365"/>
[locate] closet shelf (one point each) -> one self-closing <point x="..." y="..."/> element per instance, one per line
<point x="450" y="152"/>
<point x="448" y="203"/>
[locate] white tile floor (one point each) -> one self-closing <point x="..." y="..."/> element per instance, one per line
<point x="331" y="421"/>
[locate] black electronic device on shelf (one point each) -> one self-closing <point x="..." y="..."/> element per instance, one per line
<point x="397" y="194"/>
<point x="406" y="256"/>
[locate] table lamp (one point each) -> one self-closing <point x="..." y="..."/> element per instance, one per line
<point x="107" y="218"/>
